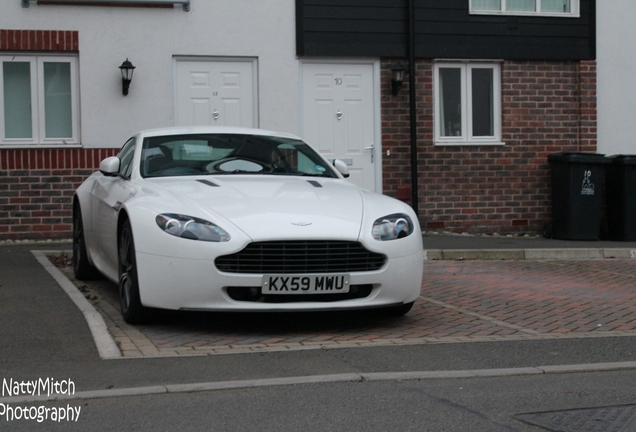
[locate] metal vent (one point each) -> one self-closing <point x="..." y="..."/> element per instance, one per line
<point x="298" y="257"/>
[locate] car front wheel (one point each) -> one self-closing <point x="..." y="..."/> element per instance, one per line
<point x="130" y="301"/>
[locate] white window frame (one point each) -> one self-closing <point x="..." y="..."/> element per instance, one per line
<point x="575" y="10"/>
<point x="466" y="137"/>
<point x="38" y="119"/>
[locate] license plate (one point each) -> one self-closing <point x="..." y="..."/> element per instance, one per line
<point x="305" y="284"/>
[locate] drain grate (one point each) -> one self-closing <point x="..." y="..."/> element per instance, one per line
<point x="620" y="418"/>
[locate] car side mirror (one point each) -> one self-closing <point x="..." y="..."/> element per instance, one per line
<point x="341" y="167"/>
<point x="110" y="166"/>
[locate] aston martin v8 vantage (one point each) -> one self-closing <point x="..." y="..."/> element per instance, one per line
<point x="233" y="219"/>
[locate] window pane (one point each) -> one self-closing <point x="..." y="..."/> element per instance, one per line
<point x="126" y="156"/>
<point x="562" y="6"/>
<point x="521" y="5"/>
<point x="483" y="107"/>
<point x="17" y="99"/>
<point x="487" y="5"/>
<point x="450" y="89"/>
<point x="57" y="100"/>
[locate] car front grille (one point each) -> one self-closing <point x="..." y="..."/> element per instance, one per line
<point x="300" y="257"/>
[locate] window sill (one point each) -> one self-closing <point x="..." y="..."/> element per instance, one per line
<point x="469" y="143"/>
<point x="528" y="14"/>
<point x="38" y="146"/>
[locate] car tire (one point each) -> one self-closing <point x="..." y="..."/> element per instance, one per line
<point x="82" y="267"/>
<point x="548" y="230"/>
<point x="130" y="301"/>
<point x="397" y="311"/>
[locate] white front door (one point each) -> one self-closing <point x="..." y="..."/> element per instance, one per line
<point x="216" y="93"/>
<point x="340" y="116"/>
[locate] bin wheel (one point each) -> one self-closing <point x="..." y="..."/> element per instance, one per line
<point x="547" y="230"/>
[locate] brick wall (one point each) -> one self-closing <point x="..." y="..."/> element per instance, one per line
<point x="36" y="190"/>
<point x="39" y="40"/>
<point x="547" y="107"/>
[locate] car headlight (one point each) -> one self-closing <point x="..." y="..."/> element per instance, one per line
<point x="189" y="227"/>
<point x="392" y="227"/>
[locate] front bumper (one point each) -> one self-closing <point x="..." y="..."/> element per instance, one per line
<point x="190" y="284"/>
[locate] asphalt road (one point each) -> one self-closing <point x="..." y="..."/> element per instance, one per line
<point x="44" y="335"/>
<point x="486" y="404"/>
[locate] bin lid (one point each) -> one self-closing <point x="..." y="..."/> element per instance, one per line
<point x="577" y="157"/>
<point x="623" y="159"/>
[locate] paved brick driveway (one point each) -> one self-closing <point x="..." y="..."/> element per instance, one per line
<point x="461" y="301"/>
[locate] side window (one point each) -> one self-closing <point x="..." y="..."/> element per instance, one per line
<point x="126" y="156"/>
<point x="467" y="103"/>
<point x="565" y="8"/>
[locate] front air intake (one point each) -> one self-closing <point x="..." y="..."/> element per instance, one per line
<point x="298" y="257"/>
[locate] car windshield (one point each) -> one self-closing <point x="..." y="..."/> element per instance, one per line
<point x="223" y="154"/>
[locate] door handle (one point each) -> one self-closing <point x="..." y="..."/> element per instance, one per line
<point x="371" y="147"/>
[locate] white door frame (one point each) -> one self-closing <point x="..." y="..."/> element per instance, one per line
<point x="183" y="58"/>
<point x="377" y="111"/>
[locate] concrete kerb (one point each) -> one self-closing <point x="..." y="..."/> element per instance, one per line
<point x="323" y="379"/>
<point x="104" y="342"/>
<point x="530" y="254"/>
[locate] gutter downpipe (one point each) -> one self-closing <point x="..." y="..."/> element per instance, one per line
<point x="413" y="107"/>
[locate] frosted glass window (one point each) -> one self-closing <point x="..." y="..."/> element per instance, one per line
<point x="39" y="101"/>
<point x="563" y="6"/>
<point x="487" y="5"/>
<point x="58" y="114"/>
<point x="18" y="121"/>
<point x="521" y="5"/>
<point x="566" y="8"/>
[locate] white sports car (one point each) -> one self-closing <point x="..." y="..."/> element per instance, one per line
<point x="230" y="219"/>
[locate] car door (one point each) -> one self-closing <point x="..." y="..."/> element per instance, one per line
<point x="109" y="193"/>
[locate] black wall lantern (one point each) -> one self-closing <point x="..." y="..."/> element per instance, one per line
<point x="398" y="77"/>
<point x="127" y="70"/>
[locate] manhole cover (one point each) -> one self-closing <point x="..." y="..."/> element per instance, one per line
<point x="620" y="418"/>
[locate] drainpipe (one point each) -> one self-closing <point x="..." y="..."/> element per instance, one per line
<point x="413" y="107"/>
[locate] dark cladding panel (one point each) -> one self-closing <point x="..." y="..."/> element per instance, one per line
<point x="379" y="28"/>
<point x="358" y="28"/>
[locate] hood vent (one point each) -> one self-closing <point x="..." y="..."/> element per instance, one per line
<point x="314" y="183"/>
<point x="208" y="182"/>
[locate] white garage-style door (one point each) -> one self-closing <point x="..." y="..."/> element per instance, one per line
<point x="216" y="92"/>
<point x="341" y="117"/>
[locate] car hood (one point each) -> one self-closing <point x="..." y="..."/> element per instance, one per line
<point x="270" y="207"/>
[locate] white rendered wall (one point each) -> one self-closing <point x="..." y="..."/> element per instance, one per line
<point x="616" y="80"/>
<point x="150" y="38"/>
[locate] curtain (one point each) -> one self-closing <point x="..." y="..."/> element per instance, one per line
<point x="450" y="101"/>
